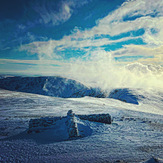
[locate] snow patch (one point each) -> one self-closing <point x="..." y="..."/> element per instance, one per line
<point x="154" y="160"/>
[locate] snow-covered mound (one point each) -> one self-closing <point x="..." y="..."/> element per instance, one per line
<point x="63" y="126"/>
<point x="125" y="95"/>
<point x="60" y="128"/>
<point x="67" y="127"/>
<point x="50" y="86"/>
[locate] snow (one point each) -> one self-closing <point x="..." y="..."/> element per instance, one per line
<point x="71" y="123"/>
<point x="135" y="135"/>
<point x="72" y="126"/>
<point x="124" y="95"/>
<point x="50" y="86"/>
<point x="154" y="160"/>
<point x="68" y="88"/>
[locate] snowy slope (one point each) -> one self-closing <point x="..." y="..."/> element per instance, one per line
<point x="126" y="95"/>
<point x="135" y="135"/>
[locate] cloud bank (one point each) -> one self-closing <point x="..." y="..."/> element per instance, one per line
<point x="103" y="72"/>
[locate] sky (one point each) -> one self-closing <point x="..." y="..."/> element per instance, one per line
<point x="61" y="37"/>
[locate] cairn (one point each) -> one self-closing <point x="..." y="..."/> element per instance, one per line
<point x="72" y="125"/>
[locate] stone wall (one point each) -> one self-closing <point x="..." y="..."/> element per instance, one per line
<point x="37" y="125"/>
<point x="102" y="118"/>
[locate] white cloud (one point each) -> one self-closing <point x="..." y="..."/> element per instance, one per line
<point x="157" y="60"/>
<point x="34" y="67"/>
<point x="144" y="69"/>
<point x="49" y="13"/>
<point x="100" y="71"/>
<point x="147" y="14"/>
<point x="35" y="62"/>
<point x="151" y="55"/>
<point x="135" y="50"/>
<point x="67" y="8"/>
<point x="56" y="12"/>
<point x="49" y="49"/>
<point x="151" y="16"/>
<point x="103" y="72"/>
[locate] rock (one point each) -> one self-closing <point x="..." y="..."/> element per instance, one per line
<point x="36" y="125"/>
<point x="102" y="118"/>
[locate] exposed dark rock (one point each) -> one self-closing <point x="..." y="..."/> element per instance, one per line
<point x="102" y="118"/>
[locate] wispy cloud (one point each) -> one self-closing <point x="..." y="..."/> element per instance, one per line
<point x="34" y="62"/>
<point x="133" y="50"/>
<point x="34" y="67"/>
<point x="131" y="16"/>
<point x="51" y="48"/>
<point x="56" y="12"/>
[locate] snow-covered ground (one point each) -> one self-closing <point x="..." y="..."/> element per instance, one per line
<point x="136" y="133"/>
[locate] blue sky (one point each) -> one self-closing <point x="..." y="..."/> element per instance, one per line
<point x="43" y="36"/>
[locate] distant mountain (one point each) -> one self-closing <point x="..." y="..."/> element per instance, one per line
<point x="50" y="86"/>
<point x="62" y="87"/>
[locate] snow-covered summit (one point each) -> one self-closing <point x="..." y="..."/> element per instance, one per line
<point x="50" y="86"/>
<point x="67" y="88"/>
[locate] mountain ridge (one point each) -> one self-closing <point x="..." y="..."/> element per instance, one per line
<point x="65" y="88"/>
<point x="50" y="86"/>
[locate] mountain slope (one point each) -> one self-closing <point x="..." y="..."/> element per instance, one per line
<point x="68" y="88"/>
<point x="50" y="86"/>
<point x="125" y="95"/>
